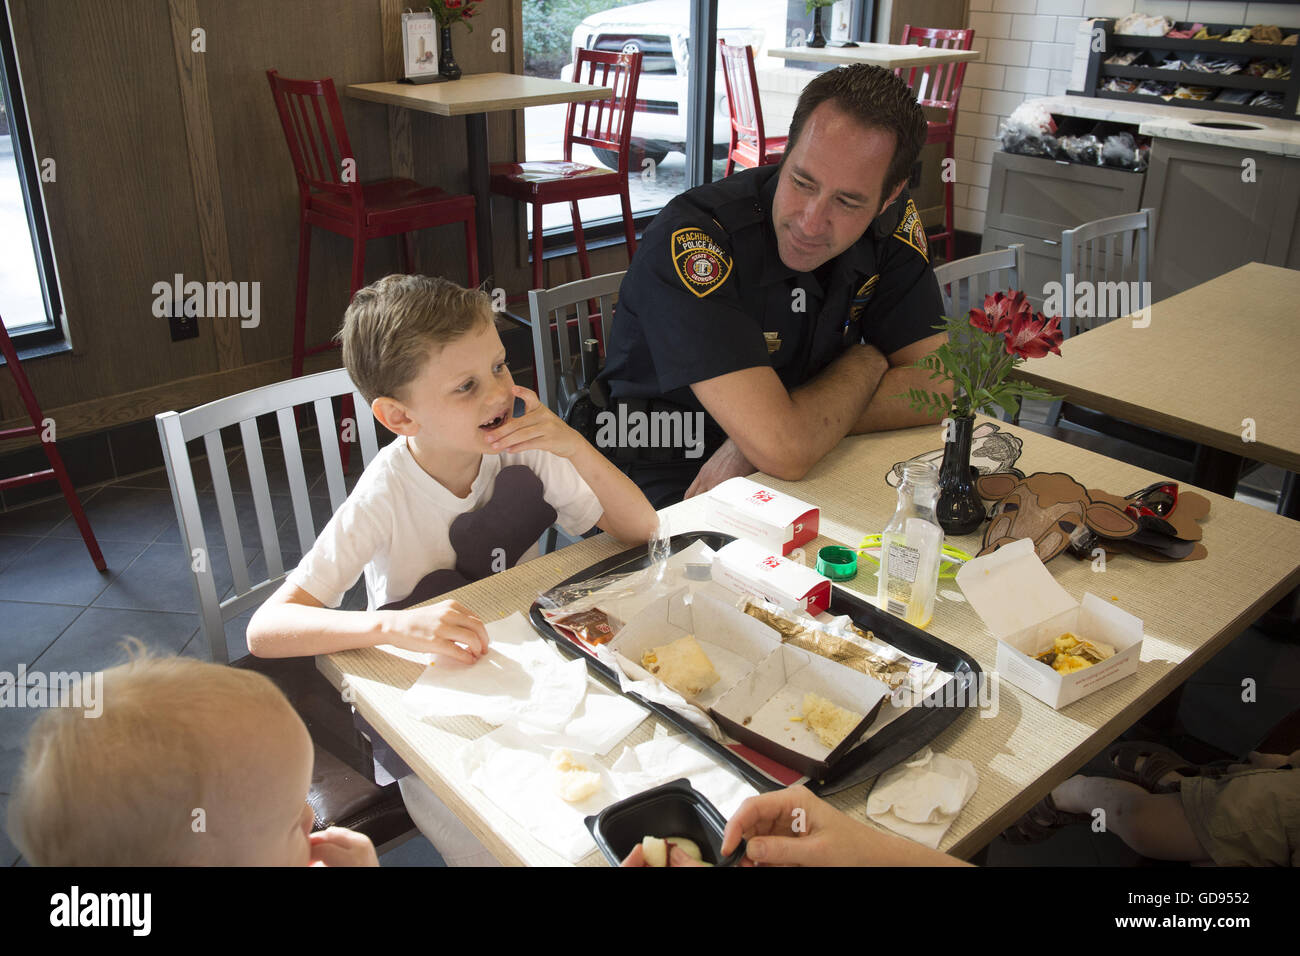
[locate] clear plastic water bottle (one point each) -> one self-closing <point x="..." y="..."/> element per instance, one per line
<point x="910" y="547"/>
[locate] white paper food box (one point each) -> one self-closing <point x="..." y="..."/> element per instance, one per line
<point x="761" y="683"/>
<point x="771" y="518"/>
<point x="1026" y="610"/>
<point x="753" y="569"/>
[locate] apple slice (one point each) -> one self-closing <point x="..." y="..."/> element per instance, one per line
<point x="655" y="850"/>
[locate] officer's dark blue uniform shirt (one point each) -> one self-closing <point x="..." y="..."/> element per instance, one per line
<point x="707" y="294"/>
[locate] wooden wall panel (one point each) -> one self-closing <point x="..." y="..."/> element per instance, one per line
<point x="105" y="105"/>
<point x="335" y="38"/>
<point x="106" y="102"/>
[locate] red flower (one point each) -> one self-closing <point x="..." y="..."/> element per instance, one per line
<point x="996" y="316"/>
<point x="1033" y="336"/>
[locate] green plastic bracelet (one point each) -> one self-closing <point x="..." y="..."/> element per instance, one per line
<point x="950" y="560"/>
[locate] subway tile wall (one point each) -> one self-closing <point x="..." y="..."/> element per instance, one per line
<point x="1027" y="47"/>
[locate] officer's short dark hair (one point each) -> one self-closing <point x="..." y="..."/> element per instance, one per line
<point x="875" y="98"/>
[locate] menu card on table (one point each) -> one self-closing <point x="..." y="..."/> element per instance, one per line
<point x="420" y="47"/>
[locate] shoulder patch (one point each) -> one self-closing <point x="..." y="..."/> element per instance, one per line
<point x="912" y="231"/>
<point x="700" y="262"/>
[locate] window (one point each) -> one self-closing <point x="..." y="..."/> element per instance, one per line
<point x="31" y="297"/>
<point x="659" y="29"/>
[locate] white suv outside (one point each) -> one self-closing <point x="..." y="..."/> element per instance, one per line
<point x="659" y="30"/>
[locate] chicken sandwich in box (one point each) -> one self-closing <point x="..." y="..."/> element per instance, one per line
<point x="1048" y="644"/>
<point x="748" y="510"/>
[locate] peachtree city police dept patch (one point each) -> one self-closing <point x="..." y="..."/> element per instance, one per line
<point x="912" y="231"/>
<point x="700" y="262"/>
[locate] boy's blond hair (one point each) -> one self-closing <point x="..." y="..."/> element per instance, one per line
<point x="121" y="789"/>
<point x="392" y="325"/>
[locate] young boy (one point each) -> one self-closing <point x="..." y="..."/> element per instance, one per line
<point x="467" y="489"/>
<point x="190" y="764"/>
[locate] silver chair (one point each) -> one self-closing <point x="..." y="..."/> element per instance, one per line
<point x="557" y="387"/>
<point x="1091" y="253"/>
<point x="562" y="371"/>
<point x="964" y="283"/>
<point x="205" y="422"/>
<point x="343" y="790"/>
<point x="1108" y="258"/>
<point x="1107" y="261"/>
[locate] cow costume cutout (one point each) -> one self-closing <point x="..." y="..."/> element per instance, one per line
<point x="512" y="519"/>
<point x="992" y="451"/>
<point x="1050" y="507"/>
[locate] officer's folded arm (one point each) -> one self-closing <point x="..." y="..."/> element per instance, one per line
<point x="889" y="407"/>
<point x="785" y="433"/>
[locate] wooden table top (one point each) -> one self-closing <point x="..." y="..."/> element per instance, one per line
<point x="478" y="93"/>
<point x="1212" y="357"/>
<point x="889" y="55"/>
<point x="1190" y="611"/>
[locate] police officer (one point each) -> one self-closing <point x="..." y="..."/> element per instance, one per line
<point x="786" y="303"/>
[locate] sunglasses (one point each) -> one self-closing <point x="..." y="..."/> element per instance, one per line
<point x="1156" y="501"/>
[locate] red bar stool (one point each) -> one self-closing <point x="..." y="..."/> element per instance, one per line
<point x="750" y="144"/>
<point x="56" y="471"/>
<point x="939" y="86"/>
<point x="600" y="124"/>
<point x="330" y="197"/>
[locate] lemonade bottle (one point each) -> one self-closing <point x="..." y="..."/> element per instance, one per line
<point x="909" y="548"/>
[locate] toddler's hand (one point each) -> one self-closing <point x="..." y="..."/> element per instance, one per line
<point x="338" y="846"/>
<point x="448" y="628"/>
<point x="538" y="427"/>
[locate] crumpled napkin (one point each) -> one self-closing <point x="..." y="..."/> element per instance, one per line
<point x="919" y="799"/>
<point x="513" y="770"/>
<point x="669" y="758"/>
<point x="521" y="678"/>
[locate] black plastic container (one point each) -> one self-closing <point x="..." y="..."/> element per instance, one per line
<point x="672" y="810"/>
<point x="873" y="756"/>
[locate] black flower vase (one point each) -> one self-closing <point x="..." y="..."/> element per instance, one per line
<point x="958" y="508"/>
<point x="818" y="38"/>
<point x="447" y="67"/>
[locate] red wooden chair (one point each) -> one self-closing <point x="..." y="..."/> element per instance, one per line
<point x="56" y="471"/>
<point x="750" y="144"/>
<point x="327" y="199"/>
<point x="600" y="124"/>
<point x="939" y="86"/>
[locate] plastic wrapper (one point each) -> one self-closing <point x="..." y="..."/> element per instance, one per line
<point x="1268" y="100"/>
<point x="1214" y="64"/>
<point x="1144" y="25"/>
<point x="1123" y="57"/>
<point x="1193" y="93"/>
<point x="1241" y="97"/>
<point x="1084" y="149"/>
<point x="843" y="642"/>
<point x="1118" y="84"/>
<point x="1120" y="149"/>
<point x="1154" y="88"/>
<point x="1030" y="130"/>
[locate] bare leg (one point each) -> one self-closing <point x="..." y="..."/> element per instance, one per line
<point x="1151" y="824"/>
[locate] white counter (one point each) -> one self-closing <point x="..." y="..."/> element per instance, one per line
<point x="1278" y="136"/>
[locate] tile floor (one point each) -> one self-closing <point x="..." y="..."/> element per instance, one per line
<point x="59" y="613"/>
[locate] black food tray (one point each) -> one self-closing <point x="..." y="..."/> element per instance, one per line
<point x="896" y="742"/>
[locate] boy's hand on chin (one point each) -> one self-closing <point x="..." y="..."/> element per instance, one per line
<point x="538" y="427"/>
<point x="448" y="628"/>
